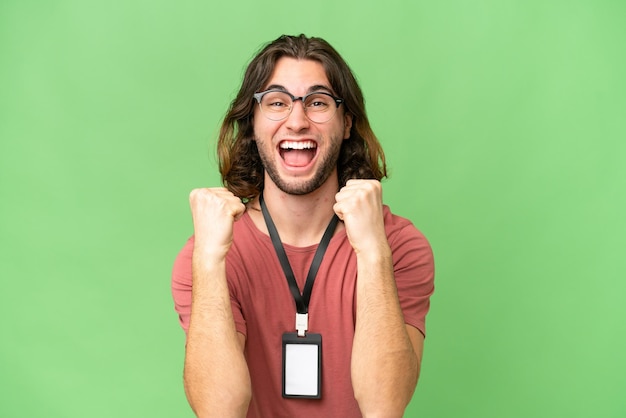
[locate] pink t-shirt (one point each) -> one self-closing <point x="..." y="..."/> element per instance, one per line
<point x="264" y="308"/>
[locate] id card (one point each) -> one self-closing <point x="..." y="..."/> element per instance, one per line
<point x="302" y="366"/>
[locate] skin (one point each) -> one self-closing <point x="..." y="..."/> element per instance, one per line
<point x="386" y="353"/>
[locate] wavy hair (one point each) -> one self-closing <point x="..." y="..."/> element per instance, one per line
<point x="361" y="155"/>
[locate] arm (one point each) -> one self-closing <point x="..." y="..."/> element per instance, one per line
<point x="216" y="377"/>
<point x="386" y="353"/>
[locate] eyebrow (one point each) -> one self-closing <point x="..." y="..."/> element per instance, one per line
<point x="316" y="87"/>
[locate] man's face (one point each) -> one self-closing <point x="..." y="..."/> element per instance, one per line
<point x="299" y="155"/>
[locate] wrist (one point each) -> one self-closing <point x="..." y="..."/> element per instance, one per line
<point x="374" y="254"/>
<point x="208" y="252"/>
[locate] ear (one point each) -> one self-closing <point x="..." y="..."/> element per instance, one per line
<point x="347" y="124"/>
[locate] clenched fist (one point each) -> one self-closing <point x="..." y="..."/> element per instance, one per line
<point x="359" y="205"/>
<point x="214" y="211"/>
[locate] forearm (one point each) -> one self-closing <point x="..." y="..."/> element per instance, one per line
<point x="385" y="366"/>
<point x="217" y="381"/>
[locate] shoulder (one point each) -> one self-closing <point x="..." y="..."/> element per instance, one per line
<point x="182" y="262"/>
<point x="404" y="238"/>
<point x="398" y="226"/>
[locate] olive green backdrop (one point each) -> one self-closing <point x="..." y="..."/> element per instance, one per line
<point x="504" y="125"/>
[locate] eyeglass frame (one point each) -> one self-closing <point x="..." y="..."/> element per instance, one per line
<point x="259" y="96"/>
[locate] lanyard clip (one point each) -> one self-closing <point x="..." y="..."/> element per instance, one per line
<point x="302" y="323"/>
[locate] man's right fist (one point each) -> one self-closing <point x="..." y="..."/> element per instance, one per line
<point x="214" y="210"/>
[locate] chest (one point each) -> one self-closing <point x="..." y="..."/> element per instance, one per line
<point x="262" y="290"/>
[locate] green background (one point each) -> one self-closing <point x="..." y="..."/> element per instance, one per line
<point x="504" y="124"/>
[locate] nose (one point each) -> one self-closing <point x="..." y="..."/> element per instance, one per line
<point x="297" y="119"/>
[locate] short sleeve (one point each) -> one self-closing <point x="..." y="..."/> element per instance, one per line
<point x="182" y="279"/>
<point x="414" y="272"/>
<point x="181" y="284"/>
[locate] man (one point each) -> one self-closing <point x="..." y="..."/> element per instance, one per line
<point x="296" y="150"/>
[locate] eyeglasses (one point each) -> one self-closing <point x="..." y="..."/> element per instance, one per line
<point x="319" y="106"/>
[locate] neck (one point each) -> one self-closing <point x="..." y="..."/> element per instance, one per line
<point x="300" y="220"/>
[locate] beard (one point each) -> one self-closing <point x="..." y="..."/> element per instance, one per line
<point x="328" y="163"/>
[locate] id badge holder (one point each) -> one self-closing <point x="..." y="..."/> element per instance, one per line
<point x="302" y="366"/>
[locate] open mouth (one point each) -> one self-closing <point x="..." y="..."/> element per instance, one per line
<point x="297" y="153"/>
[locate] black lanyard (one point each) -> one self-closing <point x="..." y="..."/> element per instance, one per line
<point x="302" y="300"/>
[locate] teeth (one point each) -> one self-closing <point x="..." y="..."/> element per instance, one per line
<point x="297" y="145"/>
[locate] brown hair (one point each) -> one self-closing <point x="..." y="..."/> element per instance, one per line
<point x="361" y="155"/>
